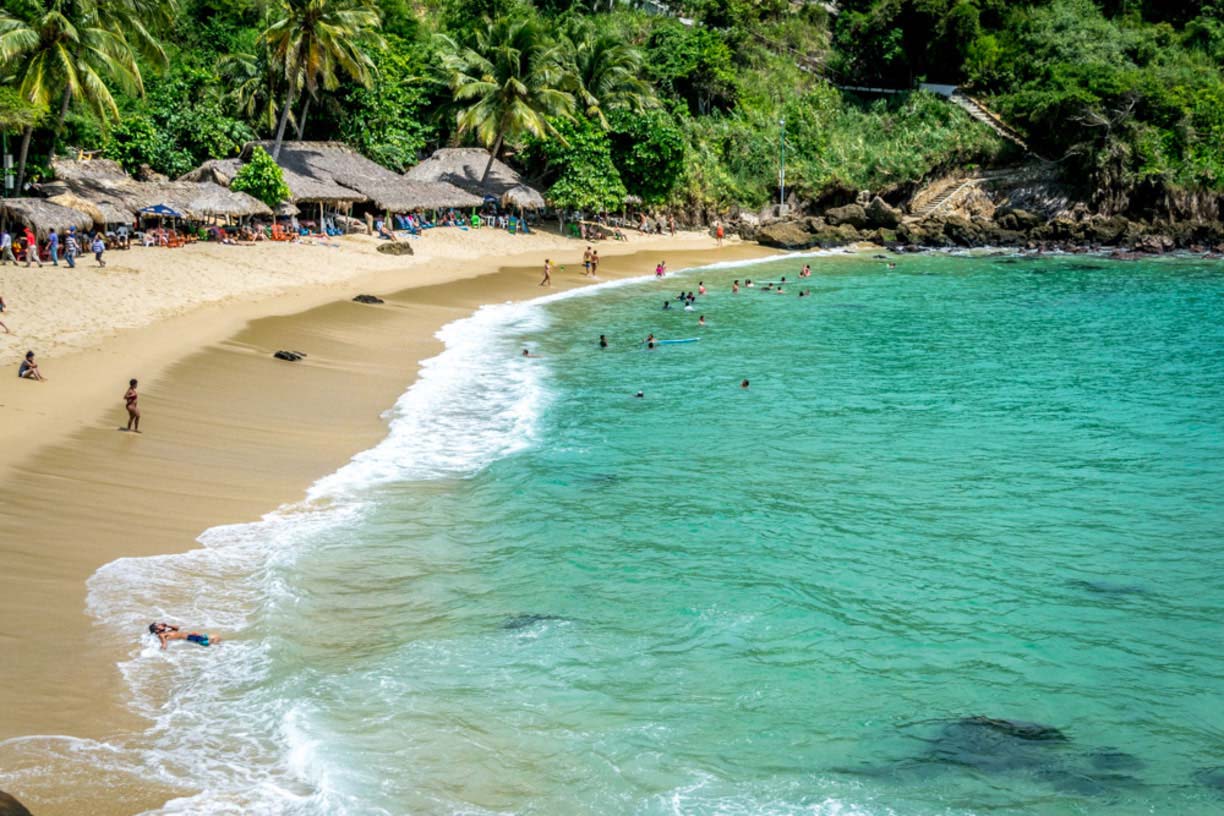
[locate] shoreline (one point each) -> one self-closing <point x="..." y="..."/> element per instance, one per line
<point x="232" y="434"/>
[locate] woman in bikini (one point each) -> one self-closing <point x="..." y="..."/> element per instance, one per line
<point x="129" y="401"/>
<point x="166" y="633"/>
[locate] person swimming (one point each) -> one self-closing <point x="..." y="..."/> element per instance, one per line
<point x="744" y="383"/>
<point x="735" y="287"/>
<point x="603" y="341"/>
<point x="701" y="321"/>
<point x="166" y="633"/>
<point x="667" y="305"/>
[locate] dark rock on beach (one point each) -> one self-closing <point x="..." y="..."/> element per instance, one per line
<point x="395" y="248"/>
<point x="289" y="356"/>
<point x="9" y="806"/>
<point x="367" y="299"/>
<point x="882" y="215"/>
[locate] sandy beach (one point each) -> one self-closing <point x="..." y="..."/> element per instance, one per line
<point x="231" y="433"/>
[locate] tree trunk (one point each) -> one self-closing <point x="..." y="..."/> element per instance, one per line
<point x="302" y="121"/>
<point x="492" y="155"/>
<point x="59" y="123"/>
<point x="280" y="127"/>
<point x="21" y="157"/>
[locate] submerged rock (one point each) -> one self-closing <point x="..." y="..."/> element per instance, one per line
<point x="1212" y="778"/>
<point x="524" y="621"/>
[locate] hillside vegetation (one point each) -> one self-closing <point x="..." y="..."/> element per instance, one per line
<point x="604" y="100"/>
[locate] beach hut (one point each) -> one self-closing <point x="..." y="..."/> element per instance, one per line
<point x="41" y="216"/>
<point x="464" y="167"/>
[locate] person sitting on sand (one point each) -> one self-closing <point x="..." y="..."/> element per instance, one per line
<point x="28" y="370"/>
<point x="129" y="401"/>
<point x="166" y="633"/>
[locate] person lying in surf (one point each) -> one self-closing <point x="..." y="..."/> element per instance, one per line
<point x="166" y="633"/>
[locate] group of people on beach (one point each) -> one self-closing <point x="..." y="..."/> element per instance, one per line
<point x="33" y="253"/>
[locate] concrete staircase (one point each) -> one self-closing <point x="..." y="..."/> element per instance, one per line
<point x="989" y="118"/>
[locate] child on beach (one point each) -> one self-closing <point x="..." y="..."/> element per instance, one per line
<point x="98" y="247"/>
<point x="28" y="370"/>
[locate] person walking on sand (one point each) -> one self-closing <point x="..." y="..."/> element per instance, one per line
<point x="28" y="370"/>
<point x="166" y="633"/>
<point x="586" y="262"/>
<point x="31" y="248"/>
<point x="129" y="401"/>
<point x="98" y="247"/>
<point x="594" y="262"/>
<point x="6" y="248"/>
<point x="72" y="248"/>
<point x="718" y="232"/>
<point x="547" y="273"/>
<point x="671" y="223"/>
<point x="53" y="246"/>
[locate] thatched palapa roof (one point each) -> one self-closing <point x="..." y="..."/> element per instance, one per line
<point x="218" y="171"/>
<point x="118" y="197"/>
<point x="41" y="215"/>
<point x="102" y="212"/>
<point x="464" y="167"/>
<point x="338" y="164"/>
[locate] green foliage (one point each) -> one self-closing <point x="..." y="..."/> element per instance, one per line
<point x="648" y="151"/>
<point x="17" y="113"/>
<point x="586" y="178"/>
<point x="390" y="120"/>
<point x="692" y="64"/>
<point x="262" y="178"/>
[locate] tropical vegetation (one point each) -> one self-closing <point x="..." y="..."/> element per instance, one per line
<point x="693" y="105"/>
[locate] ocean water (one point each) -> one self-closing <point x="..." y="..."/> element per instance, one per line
<point x="964" y="488"/>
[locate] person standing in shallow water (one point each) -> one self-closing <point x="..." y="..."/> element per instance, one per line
<point x="129" y="401"/>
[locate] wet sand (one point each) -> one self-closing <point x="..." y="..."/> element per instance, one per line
<point x="231" y="434"/>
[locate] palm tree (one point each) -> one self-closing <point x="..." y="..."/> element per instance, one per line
<point x="606" y="72"/>
<point x="70" y="52"/>
<point x="507" y="84"/>
<point x="311" y="39"/>
<point x="254" y="81"/>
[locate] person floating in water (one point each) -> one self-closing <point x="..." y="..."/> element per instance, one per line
<point x="667" y="305"/>
<point x="650" y="341"/>
<point x="748" y="283"/>
<point x="603" y="341"/>
<point x="744" y="383"/>
<point x="639" y="395"/>
<point x="166" y="633"/>
<point x="129" y="401"/>
<point x="701" y="320"/>
<point x="527" y="353"/>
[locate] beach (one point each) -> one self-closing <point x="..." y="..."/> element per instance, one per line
<point x="229" y="432"/>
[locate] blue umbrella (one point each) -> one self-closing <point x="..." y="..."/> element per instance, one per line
<point x="162" y="211"/>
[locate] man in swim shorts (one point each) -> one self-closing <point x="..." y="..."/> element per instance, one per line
<point x="166" y="633"/>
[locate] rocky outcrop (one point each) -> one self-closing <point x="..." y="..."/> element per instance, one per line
<point x="851" y="214"/>
<point x="882" y="215"/>
<point x="786" y="235"/>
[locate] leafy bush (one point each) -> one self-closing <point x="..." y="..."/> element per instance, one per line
<point x="262" y="178"/>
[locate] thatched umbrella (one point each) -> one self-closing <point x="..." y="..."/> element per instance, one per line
<point x="41" y="215"/>
<point x="286" y="209"/>
<point x="523" y="197"/>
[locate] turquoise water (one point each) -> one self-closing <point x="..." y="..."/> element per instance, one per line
<point x="964" y="487"/>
